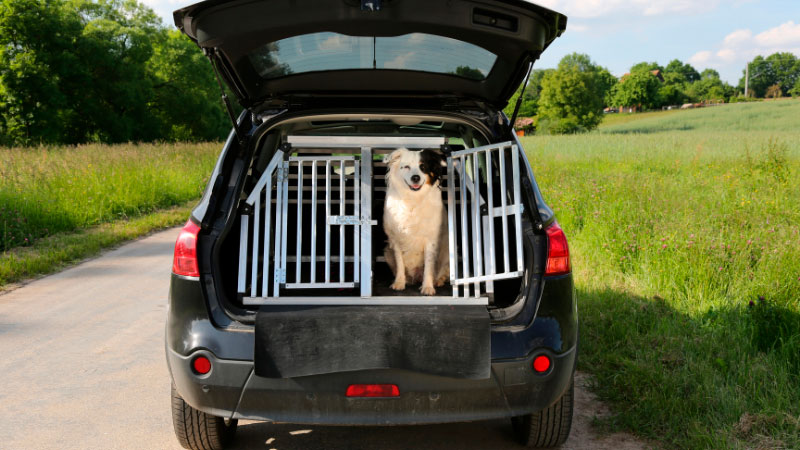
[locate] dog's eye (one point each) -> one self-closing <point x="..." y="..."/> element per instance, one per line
<point x="422" y="167"/>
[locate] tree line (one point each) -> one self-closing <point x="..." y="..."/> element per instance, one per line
<point x="571" y="98"/>
<point x="75" y="71"/>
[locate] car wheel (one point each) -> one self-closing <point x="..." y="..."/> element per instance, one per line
<point x="549" y="427"/>
<point x="197" y="430"/>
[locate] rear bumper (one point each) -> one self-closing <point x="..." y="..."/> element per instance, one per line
<point x="231" y="389"/>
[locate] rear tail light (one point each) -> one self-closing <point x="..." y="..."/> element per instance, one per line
<point x="557" y="251"/>
<point x="184" y="261"/>
<point x="373" y="390"/>
<point x="541" y="364"/>
<point x="201" y="365"/>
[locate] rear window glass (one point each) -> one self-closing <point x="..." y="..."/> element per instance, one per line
<point x="335" y="51"/>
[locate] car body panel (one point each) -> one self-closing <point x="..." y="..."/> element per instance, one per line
<point x="515" y="31"/>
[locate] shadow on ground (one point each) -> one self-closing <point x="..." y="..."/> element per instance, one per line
<point x="495" y="434"/>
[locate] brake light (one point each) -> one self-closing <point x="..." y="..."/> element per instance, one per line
<point x="184" y="261"/>
<point x="373" y="390"/>
<point x="557" y="251"/>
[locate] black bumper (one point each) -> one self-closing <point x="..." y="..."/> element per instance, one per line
<point x="232" y="389"/>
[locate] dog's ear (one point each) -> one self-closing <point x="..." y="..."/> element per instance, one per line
<point x="434" y="162"/>
<point x="391" y="158"/>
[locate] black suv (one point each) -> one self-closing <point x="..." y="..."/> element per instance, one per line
<point x="280" y="301"/>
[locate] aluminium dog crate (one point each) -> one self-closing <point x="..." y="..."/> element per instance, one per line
<point x="307" y="222"/>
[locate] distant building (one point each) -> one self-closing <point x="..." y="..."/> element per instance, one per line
<point x="524" y="126"/>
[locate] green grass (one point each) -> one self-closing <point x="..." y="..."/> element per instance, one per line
<point x="50" y="190"/>
<point x="61" y="204"/>
<point x="52" y="253"/>
<point x="780" y="115"/>
<point x="673" y="234"/>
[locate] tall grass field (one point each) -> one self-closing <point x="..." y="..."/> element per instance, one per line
<point x="48" y="190"/>
<point x="684" y="229"/>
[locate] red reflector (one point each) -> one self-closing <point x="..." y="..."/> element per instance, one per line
<point x="557" y="251"/>
<point x="373" y="390"/>
<point x="541" y="363"/>
<point x="201" y="365"/>
<point x="184" y="261"/>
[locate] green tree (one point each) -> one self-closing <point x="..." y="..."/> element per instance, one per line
<point x="530" y="100"/>
<point x="795" y="91"/>
<point x="40" y="74"/>
<point x="639" y="89"/>
<point x="572" y="97"/>
<point x="646" y="67"/>
<point x="185" y="94"/>
<point x="779" y="68"/>
<point x="684" y="70"/>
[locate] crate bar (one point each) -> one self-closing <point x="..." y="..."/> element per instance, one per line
<point x="483" y="278"/>
<point x="469" y="151"/>
<point x="281" y="277"/>
<point x="451" y="226"/>
<point x="365" y="301"/>
<point x="366" y="218"/>
<point x="266" y="176"/>
<point x="299" y="251"/>
<point x="356" y="228"/>
<point x="320" y="285"/>
<point x="518" y="202"/>
<point x="362" y="142"/>
<point x="322" y="158"/>
<point x="342" y="193"/>
<point x="278" y="236"/>
<point x="464" y="225"/>
<point x="476" y="220"/>
<point x="503" y="195"/>
<point x="244" y="235"/>
<point x="267" y="236"/>
<point x="490" y="257"/>
<point x="319" y="258"/>
<point x="327" y="225"/>
<point x="313" y="221"/>
<point x="256" y="231"/>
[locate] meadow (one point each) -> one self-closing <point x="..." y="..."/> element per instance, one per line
<point x="684" y="230"/>
<point x="46" y="192"/>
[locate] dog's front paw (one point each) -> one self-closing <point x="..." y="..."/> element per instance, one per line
<point x="398" y="285"/>
<point x="428" y="290"/>
<point x="441" y="281"/>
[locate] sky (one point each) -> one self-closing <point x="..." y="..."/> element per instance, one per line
<point x="718" y="34"/>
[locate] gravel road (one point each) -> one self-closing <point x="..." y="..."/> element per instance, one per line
<point x="83" y="367"/>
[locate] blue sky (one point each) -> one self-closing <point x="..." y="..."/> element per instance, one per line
<point x="718" y="34"/>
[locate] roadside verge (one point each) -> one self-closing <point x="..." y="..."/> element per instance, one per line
<point x="53" y="253"/>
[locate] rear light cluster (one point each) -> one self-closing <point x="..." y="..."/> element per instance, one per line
<point x="557" y="251"/>
<point x="541" y="364"/>
<point x="184" y="261"/>
<point x="373" y="390"/>
<point x="201" y="365"/>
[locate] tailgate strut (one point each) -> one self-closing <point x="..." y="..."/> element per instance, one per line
<point x="213" y="57"/>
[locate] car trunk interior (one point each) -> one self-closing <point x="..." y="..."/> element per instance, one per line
<point x="321" y="176"/>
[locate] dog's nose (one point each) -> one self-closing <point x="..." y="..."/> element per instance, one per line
<point x="415" y="178"/>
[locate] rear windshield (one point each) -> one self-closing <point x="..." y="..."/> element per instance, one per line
<point x="335" y="51"/>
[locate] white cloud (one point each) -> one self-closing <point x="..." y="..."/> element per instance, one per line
<point x="599" y="8"/>
<point x="399" y="62"/>
<point x="784" y="34"/>
<point x="701" y="58"/>
<point x="741" y="46"/>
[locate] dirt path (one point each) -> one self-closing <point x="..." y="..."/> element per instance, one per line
<point x="83" y="368"/>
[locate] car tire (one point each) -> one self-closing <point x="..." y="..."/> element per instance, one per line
<point x="549" y="427"/>
<point x="197" y="430"/>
